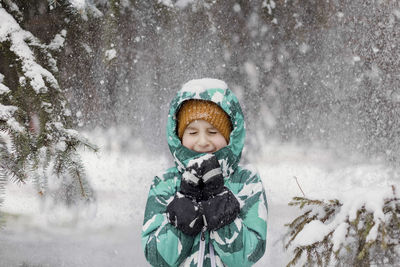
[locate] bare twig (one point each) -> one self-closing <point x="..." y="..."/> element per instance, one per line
<point x="299" y="186"/>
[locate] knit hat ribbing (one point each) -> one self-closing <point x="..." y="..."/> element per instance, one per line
<point x="192" y="110"/>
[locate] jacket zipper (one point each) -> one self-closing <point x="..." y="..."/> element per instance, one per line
<point x="212" y="255"/>
<point x="202" y="247"/>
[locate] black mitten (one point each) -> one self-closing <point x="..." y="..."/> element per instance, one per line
<point x="191" y="185"/>
<point x="185" y="214"/>
<point x="221" y="209"/>
<point x="211" y="175"/>
<point x="199" y="172"/>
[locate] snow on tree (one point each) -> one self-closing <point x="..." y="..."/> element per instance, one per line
<point x="36" y="141"/>
<point x="84" y="8"/>
<point x="361" y="229"/>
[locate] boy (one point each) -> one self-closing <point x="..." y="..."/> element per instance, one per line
<point x="206" y="211"/>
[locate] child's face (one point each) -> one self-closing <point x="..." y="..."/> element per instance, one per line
<point x="202" y="137"/>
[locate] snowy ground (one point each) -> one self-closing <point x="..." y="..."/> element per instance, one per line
<point x="36" y="235"/>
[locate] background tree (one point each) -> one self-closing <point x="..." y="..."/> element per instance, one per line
<point x="318" y="71"/>
<point x="37" y="141"/>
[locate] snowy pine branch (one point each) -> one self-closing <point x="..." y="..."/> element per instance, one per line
<point x="362" y="229"/>
<point x="34" y="116"/>
<point x="83" y="8"/>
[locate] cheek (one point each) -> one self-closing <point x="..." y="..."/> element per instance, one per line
<point x="187" y="141"/>
<point x="220" y="142"/>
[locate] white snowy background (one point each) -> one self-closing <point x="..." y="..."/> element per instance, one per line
<point x="108" y="233"/>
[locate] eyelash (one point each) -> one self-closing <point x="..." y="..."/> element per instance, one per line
<point x="210" y="132"/>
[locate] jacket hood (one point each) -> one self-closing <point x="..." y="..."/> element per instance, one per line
<point x="218" y="92"/>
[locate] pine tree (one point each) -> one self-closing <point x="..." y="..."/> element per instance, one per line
<point x="36" y="136"/>
<point x="368" y="238"/>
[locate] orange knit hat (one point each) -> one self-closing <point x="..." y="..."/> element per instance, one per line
<point x="192" y="110"/>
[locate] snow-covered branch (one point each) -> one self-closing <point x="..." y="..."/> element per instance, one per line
<point x="34" y="115"/>
<point x="360" y="229"/>
<point x="82" y="7"/>
<point x="20" y="43"/>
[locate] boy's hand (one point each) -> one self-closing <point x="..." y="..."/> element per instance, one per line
<point x="220" y="206"/>
<point x="185" y="214"/>
<point x="191" y="185"/>
<point x="202" y="178"/>
<point x="220" y="210"/>
<point x="203" y="181"/>
<point x="212" y="177"/>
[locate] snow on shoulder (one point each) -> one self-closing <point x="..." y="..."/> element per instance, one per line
<point x="200" y="85"/>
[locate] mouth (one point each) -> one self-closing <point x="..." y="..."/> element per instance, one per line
<point x="208" y="151"/>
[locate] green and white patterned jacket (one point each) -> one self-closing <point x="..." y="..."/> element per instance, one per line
<point x="240" y="243"/>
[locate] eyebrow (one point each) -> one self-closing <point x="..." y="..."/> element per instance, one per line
<point x="191" y="128"/>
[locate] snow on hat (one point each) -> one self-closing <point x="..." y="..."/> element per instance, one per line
<point x="192" y="110"/>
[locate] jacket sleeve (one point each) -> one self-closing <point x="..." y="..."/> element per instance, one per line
<point x="243" y="242"/>
<point x="163" y="244"/>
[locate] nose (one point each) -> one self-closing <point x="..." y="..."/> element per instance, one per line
<point x="203" y="140"/>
